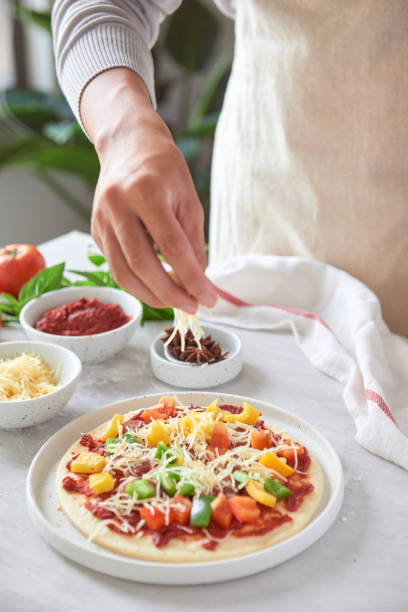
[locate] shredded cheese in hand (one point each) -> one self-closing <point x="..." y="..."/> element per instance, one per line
<point x="182" y="323"/>
<point x="25" y="377"/>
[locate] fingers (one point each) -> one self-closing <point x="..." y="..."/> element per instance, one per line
<point x="120" y="270"/>
<point x="180" y="254"/>
<point x="142" y="259"/>
<point x="192" y="224"/>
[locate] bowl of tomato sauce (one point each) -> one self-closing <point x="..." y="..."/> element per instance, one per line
<point x="93" y="322"/>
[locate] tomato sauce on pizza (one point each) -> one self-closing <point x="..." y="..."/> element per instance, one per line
<point x="196" y="474"/>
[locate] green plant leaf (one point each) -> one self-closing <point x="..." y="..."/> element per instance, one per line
<point x="7" y="298"/>
<point x="6" y="317"/>
<point x="10" y="153"/>
<point x="218" y="72"/>
<point x="8" y="309"/>
<point x="96" y="259"/>
<point x="46" y="280"/>
<point x="74" y="159"/>
<point x="156" y="314"/>
<point x="100" y="278"/>
<point x="41" y="19"/>
<point x="33" y="109"/>
<point x="191" y="36"/>
<point x="204" y="127"/>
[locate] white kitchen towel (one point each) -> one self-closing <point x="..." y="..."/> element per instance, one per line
<point x="337" y="323"/>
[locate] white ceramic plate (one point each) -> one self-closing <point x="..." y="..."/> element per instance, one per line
<point x="57" y="530"/>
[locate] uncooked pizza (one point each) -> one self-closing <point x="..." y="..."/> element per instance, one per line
<point x="188" y="483"/>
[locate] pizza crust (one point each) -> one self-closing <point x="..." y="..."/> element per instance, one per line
<point x="189" y="550"/>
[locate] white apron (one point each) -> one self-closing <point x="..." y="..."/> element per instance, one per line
<point x="311" y="150"/>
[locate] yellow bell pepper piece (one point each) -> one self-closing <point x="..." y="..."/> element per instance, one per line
<point x="213" y="409"/>
<point x="112" y="429"/>
<point x="159" y="432"/>
<point x="249" y="415"/>
<point x="102" y="482"/>
<point x="272" y="461"/>
<point x="258" y="493"/>
<point x="88" y="463"/>
<point x="199" y="420"/>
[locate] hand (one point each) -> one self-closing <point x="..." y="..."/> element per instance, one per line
<point x="144" y="193"/>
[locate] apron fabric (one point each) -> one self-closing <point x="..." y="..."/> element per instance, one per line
<point x="311" y="150"/>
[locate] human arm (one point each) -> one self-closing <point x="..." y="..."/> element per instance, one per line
<point x="144" y="187"/>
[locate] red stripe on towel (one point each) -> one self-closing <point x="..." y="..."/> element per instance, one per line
<point x="373" y="396"/>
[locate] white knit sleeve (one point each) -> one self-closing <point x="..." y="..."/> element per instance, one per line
<point x="91" y="36"/>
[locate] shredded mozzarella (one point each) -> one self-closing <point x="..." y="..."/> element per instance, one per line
<point x="210" y="473"/>
<point x="25" y="377"/>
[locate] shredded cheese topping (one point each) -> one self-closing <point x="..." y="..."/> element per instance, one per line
<point x="209" y="473"/>
<point x="25" y="377"/>
<point x="182" y="323"/>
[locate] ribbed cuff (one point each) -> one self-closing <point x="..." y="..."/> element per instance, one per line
<point x="103" y="47"/>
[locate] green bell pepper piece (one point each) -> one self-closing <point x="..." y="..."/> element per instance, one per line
<point x="201" y="511"/>
<point x="241" y="477"/>
<point x="110" y="444"/>
<point x="168" y="483"/>
<point x="275" y="488"/>
<point x="174" y="475"/>
<point x="161" y="449"/>
<point x="187" y="489"/>
<point x="130" y="438"/>
<point x="142" y="488"/>
<point x="164" y="452"/>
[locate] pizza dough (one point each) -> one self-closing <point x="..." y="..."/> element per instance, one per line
<point x="188" y="548"/>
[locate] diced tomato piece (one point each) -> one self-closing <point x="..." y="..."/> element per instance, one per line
<point x="289" y="453"/>
<point x="219" y="451"/>
<point x="261" y="439"/>
<point x="220" y="511"/>
<point x="154" y="517"/>
<point x="180" y="510"/>
<point x="157" y="412"/>
<point x="244" y="508"/>
<point x="219" y="438"/>
<point x="167" y="401"/>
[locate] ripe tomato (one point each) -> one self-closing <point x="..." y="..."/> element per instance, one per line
<point x="18" y="263"/>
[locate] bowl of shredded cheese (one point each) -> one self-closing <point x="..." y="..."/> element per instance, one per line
<point x="37" y="379"/>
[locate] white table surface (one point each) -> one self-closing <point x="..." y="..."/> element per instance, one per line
<point x="360" y="564"/>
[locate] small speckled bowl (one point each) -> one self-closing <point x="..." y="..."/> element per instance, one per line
<point x="193" y="376"/>
<point x="88" y="348"/>
<point x="67" y="367"/>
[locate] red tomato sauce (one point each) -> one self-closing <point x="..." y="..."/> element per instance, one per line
<point x="82" y="318"/>
<point x="269" y="519"/>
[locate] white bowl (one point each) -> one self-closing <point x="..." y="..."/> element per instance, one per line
<point x="67" y="367"/>
<point x="193" y="376"/>
<point x="88" y="348"/>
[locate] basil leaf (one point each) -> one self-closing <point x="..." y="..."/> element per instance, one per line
<point x="97" y="259"/>
<point x="98" y="277"/>
<point x="9" y="304"/>
<point x="7" y="297"/>
<point x="6" y="317"/>
<point x="156" y="314"/>
<point x="46" y="280"/>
